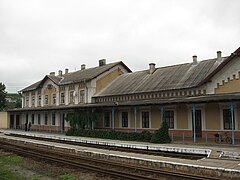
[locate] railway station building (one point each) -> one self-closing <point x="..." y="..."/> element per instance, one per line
<point x="197" y="99"/>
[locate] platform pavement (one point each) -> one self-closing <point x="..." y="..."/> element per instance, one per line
<point x="211" y="150"/>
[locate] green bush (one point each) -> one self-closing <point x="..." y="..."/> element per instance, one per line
<point x="161" y="135"/>
<point x="144" y="136"/>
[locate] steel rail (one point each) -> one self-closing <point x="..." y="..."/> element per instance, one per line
<point x="74" y="161"/>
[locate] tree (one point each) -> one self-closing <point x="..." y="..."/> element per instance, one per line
<point x="82" y="119"/>
<point x="3" y="94"/>
<point x="161" y="135"/>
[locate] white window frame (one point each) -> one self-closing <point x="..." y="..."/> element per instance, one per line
<point x="150" y="118"/>
<point x="120" y="118"/>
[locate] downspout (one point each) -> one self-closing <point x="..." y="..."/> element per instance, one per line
<point x="232" y="117"/>
<point x="194" y="122"/>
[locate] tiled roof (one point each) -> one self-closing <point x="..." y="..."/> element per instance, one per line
<point x="77" y="76"/>
<point x="164" y="78"/>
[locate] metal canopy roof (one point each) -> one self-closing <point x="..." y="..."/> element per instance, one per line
<point x="158" y="102"/>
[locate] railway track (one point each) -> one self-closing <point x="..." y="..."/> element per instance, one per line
<point x="110" y="168"/>
<point x="115" y="148"/>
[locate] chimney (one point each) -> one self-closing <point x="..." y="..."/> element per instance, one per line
<point x="66" y="70"/>
<point x="151" y="68"/>
<point x="59" y="72"/>
<point x="83" y="66"/>
<point x="52" y="73"/>
<point x="194" y="60"/>
<point x="219" y="56"/>
<point x="102" y="62"/>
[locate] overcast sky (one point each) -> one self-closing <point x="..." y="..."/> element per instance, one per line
<point x="39" y="36"/>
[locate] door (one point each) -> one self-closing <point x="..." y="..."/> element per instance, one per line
<point x="17" y="122"/>
<point x="11" y="121"/>
<point x="198" y="124"/>
<point x="63" y="122"/>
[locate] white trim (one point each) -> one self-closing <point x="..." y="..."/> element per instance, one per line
<point x="174" y="109"/>
<point x="120" y="118"/>
<point x="223" y="106"/>
<point x="150" y="118"/>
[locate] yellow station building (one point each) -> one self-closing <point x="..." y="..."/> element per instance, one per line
<point x="196" y="99"/>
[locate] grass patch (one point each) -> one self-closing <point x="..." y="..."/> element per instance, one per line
<point x="67" y="177"/>
<point x="5" y="162"/>
<point x="9" y="160"/>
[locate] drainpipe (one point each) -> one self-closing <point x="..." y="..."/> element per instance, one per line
<point x="194" y="122"/>
<point x="135" y="119"/>
<point x="113" y="117"/>
<point x="162" y="111"/>
<point x="61" y="120"/>
<point x="23" y="124"/>
<point x="232" y="116"/>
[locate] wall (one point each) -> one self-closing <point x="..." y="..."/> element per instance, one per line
<point x="228" y="72"/>
<point x="182" y="117"/>
<point x="3" y="120"/>
<point x="212" y="116"/>
<point x="230" y="86"/>
<point x="102" y="82"/>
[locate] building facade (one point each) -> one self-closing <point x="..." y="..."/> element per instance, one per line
<point x="46" y="103"/>
<point x="196" y="99"/>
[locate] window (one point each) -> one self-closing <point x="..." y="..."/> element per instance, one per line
<point x="62" y="98"/>
<point x="32" y="118"/>
<point x="145" y="119"/>
<point x="27" y="101"/>
<point x="46" y="99"/>
<point x="71" y="97"/>
<point x="54" y="99"/>
<point x="82" y="95"/>
<point x="227" y="119"/>
<point x="46" y="119"/>
<point x="106" y="119"/>
<point x="53" y="119"/>
<point x="39" y="100"/>
<point x="33" y="100"/>
<point x="168" y="116"/>
<point x="39" y="118"/>
<point x="124" y="119"/>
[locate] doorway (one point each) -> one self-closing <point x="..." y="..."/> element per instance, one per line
<point x="63" y="122"/>
<point x="198" y="125"/>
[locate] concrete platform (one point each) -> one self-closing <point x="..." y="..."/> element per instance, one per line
<point x="227" y="167"/>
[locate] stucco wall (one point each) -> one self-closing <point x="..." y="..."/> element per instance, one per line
<point x="156" y="120"/>
<point x="212" y="116"/>
<point x="230" y="86"/>
<point x="3" y="120"/>
<point x="102" y="82"/>
<point x="229" y="71"/>
<point x="182" y="117"/>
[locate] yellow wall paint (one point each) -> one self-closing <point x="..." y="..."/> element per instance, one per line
<point x="49" y="92"/>
<point x="212" y="116"/>
<point x="229" y="87"/>
<point x="182" y="117"/>
<point x="155" y="118"/>
<point x="4" y="120"/>
<point x="101" y="83"/>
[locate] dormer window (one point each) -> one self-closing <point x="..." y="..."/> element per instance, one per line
<point x="82" y="96"/>
<point x="71" y="97"/>
<point x="27" y="101"/>
<point x="62" y="98"/>
<point x="46" y="100"/>
<point x="54" y="99"/>
<point x="33" y="100"/>
<point x="39" y="100"/>
<point x="49" y="86"/>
